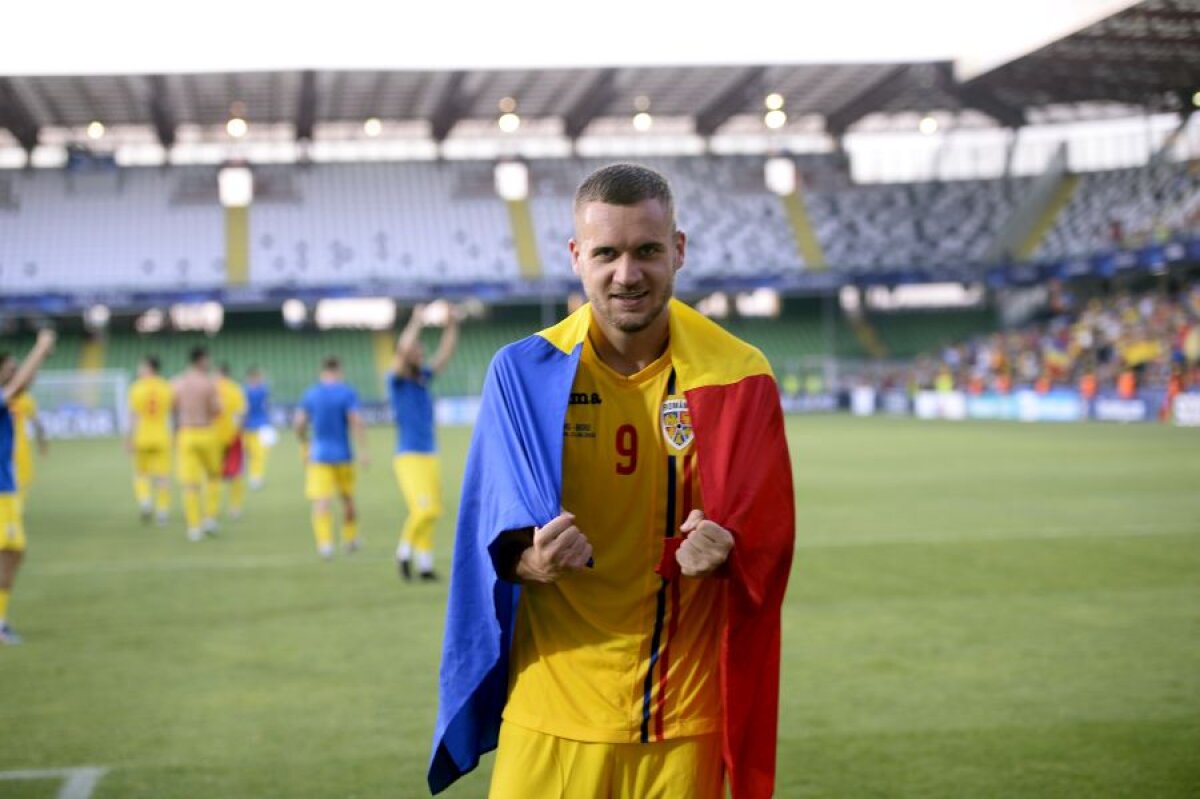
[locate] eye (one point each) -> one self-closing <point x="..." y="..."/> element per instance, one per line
<point x="604" y="253"/>
<point x="649" y="250"/>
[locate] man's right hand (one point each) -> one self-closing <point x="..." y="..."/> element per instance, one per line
<point x="558" y="547"/>
<point x="46" y="338"/>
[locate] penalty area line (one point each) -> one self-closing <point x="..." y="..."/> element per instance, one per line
<point x="77" y="783"/>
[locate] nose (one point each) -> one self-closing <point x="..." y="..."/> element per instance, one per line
<point x="626" y="271"/>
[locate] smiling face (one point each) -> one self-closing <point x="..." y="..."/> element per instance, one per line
<point x="627" y="256"/>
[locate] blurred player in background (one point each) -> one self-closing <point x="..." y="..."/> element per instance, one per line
<point x="229" y="437"/>
<point x="26" y="428"/>
<point x="13" y="380"/>
<point x="197" y="406"/>
<point x="330" y="408"/>
<point x="257" y="433"/>
<point x="149" y="441"/>
<point x="416" y="462"/>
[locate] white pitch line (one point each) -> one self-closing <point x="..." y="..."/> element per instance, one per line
<point x="78" y="783"/>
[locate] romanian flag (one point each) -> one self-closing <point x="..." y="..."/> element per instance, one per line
<point x="513" y="480"/>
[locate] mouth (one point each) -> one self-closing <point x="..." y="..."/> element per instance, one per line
<point x="629" y="299"/>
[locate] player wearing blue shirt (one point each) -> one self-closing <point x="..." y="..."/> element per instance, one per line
<point x="330" y="408"/>
<point x="256" y="425"/>
<point x="416" y="462"/>
<point x="13" y="380"/>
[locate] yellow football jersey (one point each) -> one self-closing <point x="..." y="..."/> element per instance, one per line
<point x="150" y="401"/>
<point x="233" y="410"/>
<point x="615" y="653"/>
<point x="23" y="409"/>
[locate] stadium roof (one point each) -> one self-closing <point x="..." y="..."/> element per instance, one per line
<point x="1145" y="55"/>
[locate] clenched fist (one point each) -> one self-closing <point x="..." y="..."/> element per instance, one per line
<point x="706" y="547"/>
<point x="558" y="547"/>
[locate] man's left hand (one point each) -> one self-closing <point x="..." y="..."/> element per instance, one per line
<point x="706" y="547"/>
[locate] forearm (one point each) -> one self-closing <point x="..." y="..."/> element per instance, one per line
<point x="27" y="369"/>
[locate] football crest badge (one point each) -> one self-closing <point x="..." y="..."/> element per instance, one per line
<point x="677" y="422"/>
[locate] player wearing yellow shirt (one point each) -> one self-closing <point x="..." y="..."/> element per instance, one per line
<point x="13" y="380"/>
<point x="228" y="428"/>
<point x="614" y="670"/>
<point x="149" y="440"/>
<point x="24" y="410"/>
<point x="627" y="437"/>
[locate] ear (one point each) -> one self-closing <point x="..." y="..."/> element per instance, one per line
<point x="680" y="249"/>
<point x="573" y="248"/>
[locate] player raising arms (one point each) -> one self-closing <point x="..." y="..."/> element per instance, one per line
<point x="416" y="462"/>
<point x="25" y="421"/>
<point x="198" y="451"/>
<point x="330" y="408"/>
<point x="149" y="441"/>
<point x="13" y="380"/>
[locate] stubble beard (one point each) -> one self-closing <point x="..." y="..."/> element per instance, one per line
<point x="633" y="323"/>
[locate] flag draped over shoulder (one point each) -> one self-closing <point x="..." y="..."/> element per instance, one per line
<point x="513" y="480"/>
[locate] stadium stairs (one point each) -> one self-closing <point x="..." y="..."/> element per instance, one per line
<point x="1049" y="216"/>
<point x="807" y="242"/>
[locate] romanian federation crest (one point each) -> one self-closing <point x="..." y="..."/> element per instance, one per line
<point x="677" y="422"/>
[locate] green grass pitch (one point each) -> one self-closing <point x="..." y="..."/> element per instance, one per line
<point x="977" y="610"/>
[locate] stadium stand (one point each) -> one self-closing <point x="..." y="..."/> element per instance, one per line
<point x="1126" y="207"/>
<point x="353" y="222"/>
<point x="119" y="227"/>
<point x="942" y="224"/>
<point x="442" y="224"/>
<point x="1126" y="342"/>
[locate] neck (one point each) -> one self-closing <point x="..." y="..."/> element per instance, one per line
<point x="629" y="353"/>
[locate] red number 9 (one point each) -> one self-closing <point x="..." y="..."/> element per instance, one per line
<point x="627" y="448"/>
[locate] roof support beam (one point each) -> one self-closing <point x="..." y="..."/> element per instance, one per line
<point x="593" y="98"/>
<point x="161" y="112"/>
<point x="449" y="104"/>
<point x="979" y="98"/>
<point x="16" y="117"/>
<point x="306" y="107"/>
<point x="733" y="99"/>
<point x="870" y="99"/>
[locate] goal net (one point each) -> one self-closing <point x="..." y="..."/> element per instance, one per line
<point x="76" y="404"/>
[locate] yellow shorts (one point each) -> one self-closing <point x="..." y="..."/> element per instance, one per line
<point x="199" y="455"/>
<point x="533" y="764"/>
<point x="154" y="461"/>
<point x="323" y="480"/>
<point x="420" y="478"/>
<point x="12" y="531"/>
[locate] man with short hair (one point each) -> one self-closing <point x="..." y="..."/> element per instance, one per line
<point x="149" y="440"/>
<point x="416" y="465"/>
<point x="13" y="380"/>
<point x="330" y="407"/>
<point x="197" y="406"/>
<point x="258" y="435"/>
<point x="624" y="538"/>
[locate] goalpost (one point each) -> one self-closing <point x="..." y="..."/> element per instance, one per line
<point x="82" y="404"/>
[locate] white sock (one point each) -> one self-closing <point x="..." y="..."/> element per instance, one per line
<point x="425" y="561"/>
<point x="404" y="552"/>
